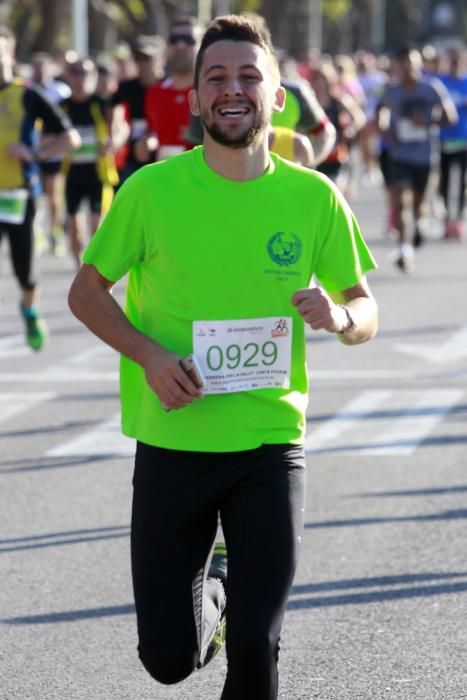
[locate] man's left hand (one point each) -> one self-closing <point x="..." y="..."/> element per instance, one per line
<point x="319" y="311"/>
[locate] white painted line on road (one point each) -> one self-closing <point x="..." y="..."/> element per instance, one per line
<point x="391" y="374"/>
<point x="421" y="413"/>
<point x="89" y="356"/>
<point x="13" y="404"/>
<point x="454" y="349"/>
<point x="57" y="376"/>
<point x="404" y="419"/>
<point x="344" y="420"/>
<point x="105" y="440"/>
<point x="68" y="374"/>
<point x="13" y="346"/>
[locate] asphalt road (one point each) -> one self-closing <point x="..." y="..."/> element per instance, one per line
<point x="378" y="609"/>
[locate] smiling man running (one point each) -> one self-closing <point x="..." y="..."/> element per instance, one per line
<point x="225" y="277"/>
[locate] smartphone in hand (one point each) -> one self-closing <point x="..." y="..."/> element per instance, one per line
<point x="191" y="367"/>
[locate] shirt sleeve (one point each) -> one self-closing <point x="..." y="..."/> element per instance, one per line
<point x="442" y="97"/>
<point x="37" y="106"/>
<point x="344" y="257"/>
<point x="120" y="241"/>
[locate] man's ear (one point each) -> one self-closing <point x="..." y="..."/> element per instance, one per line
<point x="279" y="100"/>
<point x="193" y="102"/>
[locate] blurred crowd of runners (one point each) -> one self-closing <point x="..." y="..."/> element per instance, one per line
<point x="397" y="121"/>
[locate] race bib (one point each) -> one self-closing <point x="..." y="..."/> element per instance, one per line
<point x="408" y="131"/>
<point x="87" y="152"/>
<point x="13" y="206"/>
<point x="245" y="354"/>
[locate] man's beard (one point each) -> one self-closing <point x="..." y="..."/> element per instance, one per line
<point x="239" y="140"/>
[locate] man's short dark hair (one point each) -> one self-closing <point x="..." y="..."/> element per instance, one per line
<point x="234" y="28"/>
<point x="404" y="52"/>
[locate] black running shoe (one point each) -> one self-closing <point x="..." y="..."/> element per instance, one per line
<point x="418" y="239"/>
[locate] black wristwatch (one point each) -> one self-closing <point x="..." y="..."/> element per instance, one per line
<point x="351" y="325"/>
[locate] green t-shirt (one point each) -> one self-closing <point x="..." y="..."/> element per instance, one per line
<point x="198" y="246"/>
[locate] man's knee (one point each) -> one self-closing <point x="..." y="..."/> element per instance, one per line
<point x="167" y="666"/>
<point x="254" y="651"/>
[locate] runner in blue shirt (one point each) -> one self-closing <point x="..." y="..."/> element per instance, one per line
<point x="454" y="143"/>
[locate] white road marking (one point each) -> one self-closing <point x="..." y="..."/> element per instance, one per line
<point x="57" y="376"/>
<point x="381" y="423"/>
<point x="344" y="420"/>
<point x="89" y="356"/>
<point x="13" y="346"/>
<point x="67" y="374"/>
<point x="105" y="440"/>
<point x="455" y="348"/>
<point x="13" y="404"/>
<point x="390" y="374"/>
<point x="423" y="411"/>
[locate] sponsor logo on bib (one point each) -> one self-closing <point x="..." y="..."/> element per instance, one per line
<point x="285" y="249"/>
<point x="281" y="329"/>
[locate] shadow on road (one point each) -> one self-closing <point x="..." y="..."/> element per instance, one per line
<point x="458" y="514"/>
<point x="56" y="539"/>
<point x="450" y="585"/>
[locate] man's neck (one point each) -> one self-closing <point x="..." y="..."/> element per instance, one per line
<point x="148" y="80"/>
<point x="80" y="96"/>
<point x="239" y="164"/>
<point x="410" y="82"/>
<point x="181" y="81"/>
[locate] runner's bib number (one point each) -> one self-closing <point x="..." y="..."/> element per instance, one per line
<point x="87" y="152"/>
<point x="244" y="354"/>
<point x="408" y="131"/>
<point x="13" y="206"/>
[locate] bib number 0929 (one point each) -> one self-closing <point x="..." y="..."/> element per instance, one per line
<point x="233" y="356"/>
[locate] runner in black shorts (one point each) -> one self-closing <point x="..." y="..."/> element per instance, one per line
<point x="43" y="75"/>
<point x="415" y="105"/>
<point x="20" y="149"/>
<point x="85" y="178"/>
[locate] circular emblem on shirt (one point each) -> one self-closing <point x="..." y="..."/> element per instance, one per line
<point x="285" y="248"/>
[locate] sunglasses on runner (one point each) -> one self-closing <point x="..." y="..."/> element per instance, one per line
<point x="186" y="38"/>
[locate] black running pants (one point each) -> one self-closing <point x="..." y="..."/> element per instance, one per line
<point x="21" y="237"/>
<point x="178" y="495"/>
<point x="448" y="161"/>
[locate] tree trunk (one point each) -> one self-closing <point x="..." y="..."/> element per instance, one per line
<point x="103" y="33"/>
<point x="52" y="14"/>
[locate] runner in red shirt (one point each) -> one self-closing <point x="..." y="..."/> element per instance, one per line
<point x="129" y="128"/>
<point x="166" y="104"/>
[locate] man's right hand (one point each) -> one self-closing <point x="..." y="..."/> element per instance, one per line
<point x="168" y="380"/>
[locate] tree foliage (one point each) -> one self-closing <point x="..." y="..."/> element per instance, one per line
<point x="46" y="24"/>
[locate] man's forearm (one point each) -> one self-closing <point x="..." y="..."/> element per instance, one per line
<point x="94" y="305"/>
<point x="323" y="143"/>
<point x="58" y="145"/>
<point x="364" y="314"/>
